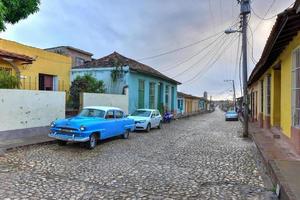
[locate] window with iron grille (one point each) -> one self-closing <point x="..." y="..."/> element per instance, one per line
<point x="268" y="94"/>
<point x="141" y="94"/>
<point x="296" y="88"/>
<point x="151" y="95"/>
<point x="167" y="95"/>
<point x="262" y="96"/>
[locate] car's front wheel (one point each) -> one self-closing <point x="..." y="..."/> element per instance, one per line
<point x="126" y="134"/>
<point x="159" y="125"/>
<point x="61" y="143"/>
<point x="148" y="128"/>
<point x="91" y="144"/>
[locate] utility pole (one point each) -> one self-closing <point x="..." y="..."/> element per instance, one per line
<point x="234" y="97"/>
<point x="245" y="11"/>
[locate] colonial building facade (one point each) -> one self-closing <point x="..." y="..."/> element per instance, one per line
<point x="274" y="84"/>
<point x="37" y="69"/>
<point x="147" y="88"/>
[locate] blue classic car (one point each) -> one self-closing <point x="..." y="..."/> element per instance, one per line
<point x="92" y="124"/>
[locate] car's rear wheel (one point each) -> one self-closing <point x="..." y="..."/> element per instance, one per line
<point x="61" y="143"/>
<point x="148" y="128"/>
<point x="126" y="134"/>
<point x="91" y="144"/>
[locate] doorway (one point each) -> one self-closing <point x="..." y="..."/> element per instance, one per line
<point x="46" y="82"/>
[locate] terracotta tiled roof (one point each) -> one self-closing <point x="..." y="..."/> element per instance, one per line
<point x="110" y="60"/>
<point x="10" y="55"/>
<point x="71" y="48"/>
<point x="286" y="27"/>
<point x="181" y="94"/>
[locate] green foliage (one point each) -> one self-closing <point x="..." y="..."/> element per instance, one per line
<point x="11" y="11"/>
<point x="8" y="81"/>
<point x="118" y="71"/>
<point x="85" y="83"/>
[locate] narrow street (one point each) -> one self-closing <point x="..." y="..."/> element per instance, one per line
<point x="201" y="157"/>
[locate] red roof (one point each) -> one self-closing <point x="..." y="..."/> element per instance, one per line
<point x="110" y="60"/>
<point x="10" y="55"/>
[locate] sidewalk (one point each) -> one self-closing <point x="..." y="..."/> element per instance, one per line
<point x="25" y="137"/>
<point x="281" y="160"/>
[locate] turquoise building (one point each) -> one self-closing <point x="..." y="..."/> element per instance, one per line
<point x="147" y="87"/>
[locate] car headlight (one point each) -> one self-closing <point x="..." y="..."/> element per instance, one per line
<point x="82" y="128"/>
<point x="52" y="124"/>
<point x="143" y="121"/>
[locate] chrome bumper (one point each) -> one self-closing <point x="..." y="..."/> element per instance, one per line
<point x="69" y="138"/>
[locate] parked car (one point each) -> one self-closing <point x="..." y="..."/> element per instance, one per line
<point x="231" y="115"/>
<point x="92" y="124"/>
<point x="145" y="119"/>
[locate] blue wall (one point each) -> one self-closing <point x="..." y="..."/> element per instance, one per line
<point x="133" y="83"/>
<point x="104" y="74"/>
<point x="131" y="79"/>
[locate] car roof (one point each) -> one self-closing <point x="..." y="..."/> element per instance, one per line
<point x="146" y="109"/>
<point x="104" y="108"/>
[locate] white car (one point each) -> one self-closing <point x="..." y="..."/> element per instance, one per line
<point x="145" y="119"/>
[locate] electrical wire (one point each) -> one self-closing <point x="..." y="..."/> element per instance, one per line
<point x="199" y="60"/>
<point x="180" y="48"/>
<point x="238" y="50"/>
<point x="266" y="13"/>
<point x="262" y="18"/>
<point x="252" y="47"/>
<point x="169" y="67"/>
<point x="191" y="57"/>
<point x="210" y="65"/>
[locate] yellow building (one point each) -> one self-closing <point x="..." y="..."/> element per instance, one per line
<point x="274" y="84"/>
<point x="37" y="69"/>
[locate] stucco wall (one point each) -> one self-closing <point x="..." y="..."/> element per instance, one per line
<point x="133" y="83"/>
<point x="21" y="109"/>
<point x="115" y="100"/>
<point x="45" y="63"/>
<point x="104" y="74"/>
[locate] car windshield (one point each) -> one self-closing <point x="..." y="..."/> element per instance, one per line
<point x="141" y="113"/>
<point x="88" y="112"/>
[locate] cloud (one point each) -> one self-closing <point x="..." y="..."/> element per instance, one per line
<point x="143" y="28"/>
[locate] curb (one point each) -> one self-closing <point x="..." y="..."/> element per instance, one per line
<point x="275" y="175"/>
<point x="4" y="150"/>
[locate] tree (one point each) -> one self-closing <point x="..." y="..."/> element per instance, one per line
<point x="8" y="81"/>
<point x="85" y="83"/>
<point x="11" y="11"/>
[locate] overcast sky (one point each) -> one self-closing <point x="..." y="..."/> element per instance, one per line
<point x="143" y="28"/>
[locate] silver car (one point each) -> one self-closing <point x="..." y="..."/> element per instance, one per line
<point x="231" y="116"/>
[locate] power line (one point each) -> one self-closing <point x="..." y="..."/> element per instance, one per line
<point x="237" y="56"/>
<point x="194" y="64"/>
<point x="263" y="18"/>
<point x="214" y="50"/>
<point x="180" y="48"/>
<point x="251" y="45"/>
<point x="204" y="56"/>
<point x="169" y="67"/>
<point x="191" y="57"/>
<point x="211" y="64"/>
<point x="266" y="13"/>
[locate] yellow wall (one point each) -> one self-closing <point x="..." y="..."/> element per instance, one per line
<point x="286" y="84"/>
<point x="45" y="63"/>
<point x="285" y="92"/>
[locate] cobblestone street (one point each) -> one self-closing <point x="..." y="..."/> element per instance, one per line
<point x="201" y="157"/>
